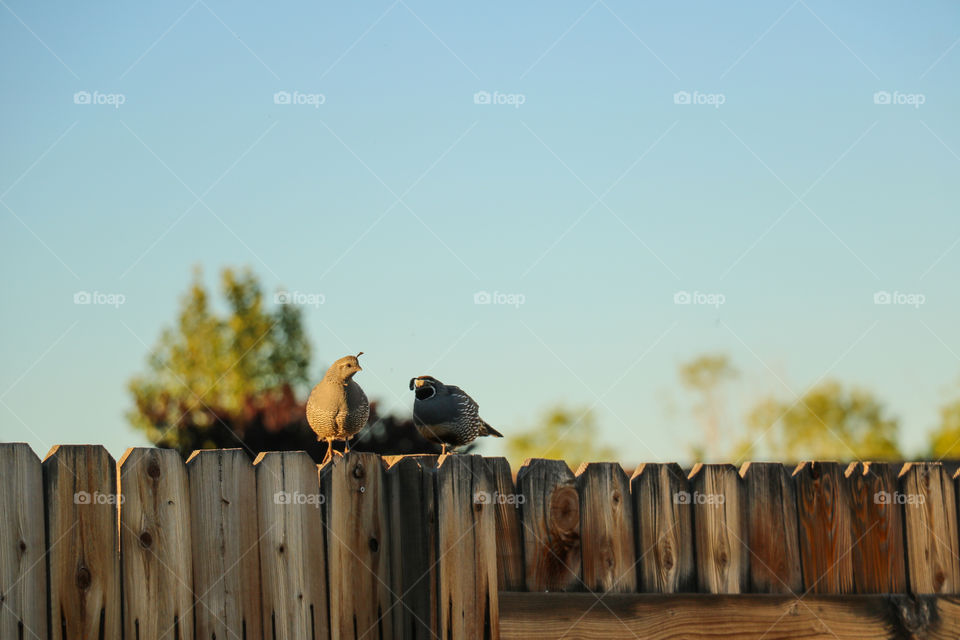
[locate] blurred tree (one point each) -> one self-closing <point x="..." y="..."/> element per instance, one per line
<point x="705" y="376"/>
<point x="235" y="380"/>
<point x="828" y="422"/>
<point x="563" y="434"/>
<point x="945" y="440"/>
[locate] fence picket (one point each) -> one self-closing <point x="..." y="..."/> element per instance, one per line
<point x="23" y="545"/>
<point x="467" y="550"/>
<point x="357" y="547"/>
<point x="155" y="545"/>
<point x="664" y="529"/>
<point x="930" y="521"/>
<point x="550" y="516"/>
<point x="80" y="486"/>
<point x="771" y="504"/>
<point x="293" y="564"/>
<point x="826" y="542"/>
<point x="720" y="531"/>
<point x="877" y="521"/>
<point x="509" y="534"/>
<point x="606" y="528"/>
<point x="224" y="529"/>
<point x="411" y="500"/>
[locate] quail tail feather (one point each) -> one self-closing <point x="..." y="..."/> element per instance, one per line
<point x="487" y="430"/>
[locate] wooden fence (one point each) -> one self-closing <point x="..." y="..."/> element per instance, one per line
<point x="415" y="547"/>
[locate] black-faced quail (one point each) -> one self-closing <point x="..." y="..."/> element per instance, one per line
<point x="445" y="414"/>
<point x="337" y="407"/>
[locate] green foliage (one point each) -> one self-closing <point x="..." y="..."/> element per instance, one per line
<point x="563" y="434"/>
<point x="828" y="422"/>
<point x="211" y="374"/>
<point x="706" y="372"/>
<point x="705" y="376"/>
<point x="945" y="440"/>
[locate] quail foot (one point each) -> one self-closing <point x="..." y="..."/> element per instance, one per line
<point x="337" y="407"/>
<point x="445" y="414"/>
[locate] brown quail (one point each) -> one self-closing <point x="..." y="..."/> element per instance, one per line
<point x="337" y="407"/>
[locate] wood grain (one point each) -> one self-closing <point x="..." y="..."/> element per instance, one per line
<point x="550" y="516"/>
<point x="771" y="511"/>
<point x="719" y="529"/>
<point x="224" y="529"/>
<point x="606" y="528"/>
<point x="876" y="518"/>
<point x="930" y="521"/>
<point x="155" y="545"/>
<point x="509" y="530"/>
<point x="537" y="616"/>
<point x="293" y="567"/>
<point x="664" y="529"/>
<point x="23" y="545"/>
<point x="358" y="547"/>
<point x="411" y="500"/>
<point x="80" y="487"/>
<point x="467" y="549"/>
<point x="826" y="543"/>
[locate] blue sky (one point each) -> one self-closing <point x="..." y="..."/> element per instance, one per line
<point x="403" y="194"/>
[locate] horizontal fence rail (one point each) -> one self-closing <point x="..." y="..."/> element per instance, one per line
<point x="219" y="547"/>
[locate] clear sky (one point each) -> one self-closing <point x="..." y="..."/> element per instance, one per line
<point x="140" y="139"/>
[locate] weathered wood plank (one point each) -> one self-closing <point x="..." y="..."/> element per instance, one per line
<point x="467" y="549"/>
<point x="23" y="547"/>
<point x="823" y="511"/>
<point x="664" y="529"/>
<point x="930" y="521"/>
<point x="550" y="515"/>
<point x="509" y="535"/>
<point x="155" y="545"/>
<point x="80" y="486"/>
<point x="357" y="547"/>
<point x="536" y="616"/>
<point x="226" y="559"/>
<point x="771" y="506"/>
<point x="411" y="500"/>
<point x="293" y="567"/>
<point x="720" y="530"/>
<point x="606" y="528"/>
<point x="877" y="528"/>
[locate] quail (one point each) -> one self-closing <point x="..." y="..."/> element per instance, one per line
<point x="445" y="414"/>
<point x="337" y="407"/>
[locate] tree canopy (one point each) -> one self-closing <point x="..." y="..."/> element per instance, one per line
<point x="239" y="378"/>
<point x="829" y="422"/>
<point x="562" y="433"/>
